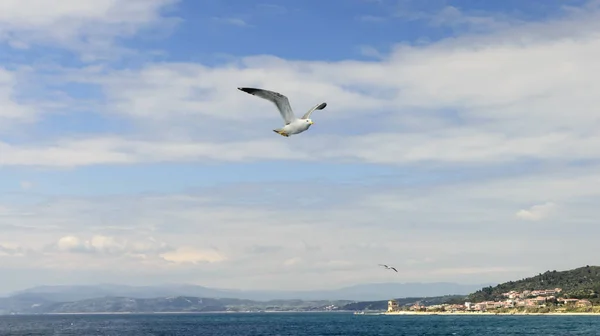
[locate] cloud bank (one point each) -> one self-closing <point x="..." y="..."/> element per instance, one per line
<point x="479" y="132"/>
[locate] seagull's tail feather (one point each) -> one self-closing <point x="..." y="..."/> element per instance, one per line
<point x="280" y="132"/>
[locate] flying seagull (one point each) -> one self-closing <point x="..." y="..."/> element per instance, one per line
<point x="389" y="267"/>
<point x="293" y="125"/>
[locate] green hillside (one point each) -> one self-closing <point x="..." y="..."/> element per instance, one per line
<point x="383" y="304"/>
<point x="579" y="283"/>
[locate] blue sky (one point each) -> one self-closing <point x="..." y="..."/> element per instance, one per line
<point x="451" y="127"/>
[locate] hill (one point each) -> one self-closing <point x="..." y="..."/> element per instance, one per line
<point x="193" y="298"/>
<point x="579" y="283"/>
<point x="362" y="292"/>
<point x="32" y="305"/>
<point x="409" y="301"/>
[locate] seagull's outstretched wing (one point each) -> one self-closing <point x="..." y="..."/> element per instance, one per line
<point x="394" y="269"/>
<point x="316" y="107"/>
<point x="281" y="101"/>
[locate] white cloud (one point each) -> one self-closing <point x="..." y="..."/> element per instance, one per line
<point x="441" y="232"/>
<point x="11" y="250"/>
<point x="493" y="101"/>
<point x="110" y="245"/>
<point x="72" y="152"/>
<point x="192" y="255"/>
<point x="485" y="103"/>
<point x="370" y="51"/>
<point x="89" y="26"/>
<point x="70" y="243"/>
<point x="504" y="91"/>
<point x="11" y="109"/>
<point x="537" y="212"/>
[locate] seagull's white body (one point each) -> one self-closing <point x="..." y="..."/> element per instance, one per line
<point x="292" y="125"/>
<point x="295" y="127"/>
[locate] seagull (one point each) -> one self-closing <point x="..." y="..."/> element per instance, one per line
<point x="389" y="267"/>
<point x="293" y="125"/>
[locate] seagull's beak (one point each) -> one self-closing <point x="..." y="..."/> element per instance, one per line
<point x="310" y="122"/>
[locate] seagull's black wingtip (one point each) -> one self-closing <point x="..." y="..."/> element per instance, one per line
<point x="248" y="90"/>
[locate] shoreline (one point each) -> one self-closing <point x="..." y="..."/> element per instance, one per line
<point x="412" y="313"/>
<point x="180" y="312"/>
<point x="491" y="313"/>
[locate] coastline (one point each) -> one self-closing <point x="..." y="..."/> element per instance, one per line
<point x="490" y="313"/>
<point x="183" y="312"/>
<point x="412" y="313"/>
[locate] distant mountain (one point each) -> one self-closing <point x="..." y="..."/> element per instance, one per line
<point x="583" y="282"/>
<point x="83" y="292"/>
<point x="22" y="302"/>
<point x="180" y="304"/>
<point x="30" y="304"/>
<point x="386" y="291"/>
<point x="365" y="292"/>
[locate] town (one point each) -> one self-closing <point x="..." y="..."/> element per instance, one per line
<point x="534" y="299"/>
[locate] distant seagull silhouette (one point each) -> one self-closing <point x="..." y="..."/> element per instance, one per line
<point x="389" y="267"/>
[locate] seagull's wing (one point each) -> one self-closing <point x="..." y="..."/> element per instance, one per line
<point x="281" y="101"/>
<point x="394" y="269"/>
<point x="382" y="265"/>
<point x="316" y="107"/>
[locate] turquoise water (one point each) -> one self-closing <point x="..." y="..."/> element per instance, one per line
<point x="297" y="324"/>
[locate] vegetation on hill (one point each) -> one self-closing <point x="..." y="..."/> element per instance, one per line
<point x="383" y="304"/>
<point x="579" y="283"/>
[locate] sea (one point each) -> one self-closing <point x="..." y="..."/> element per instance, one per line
<point x="271" y="324"/>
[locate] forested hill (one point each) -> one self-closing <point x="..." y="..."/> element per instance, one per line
<point x="403" y="302"/>
<point x="583" y="282"/>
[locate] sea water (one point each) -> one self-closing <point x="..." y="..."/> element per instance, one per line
<point x="268" y="324"/>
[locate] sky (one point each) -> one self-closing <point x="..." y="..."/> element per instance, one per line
<point x="460" y="141"/>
